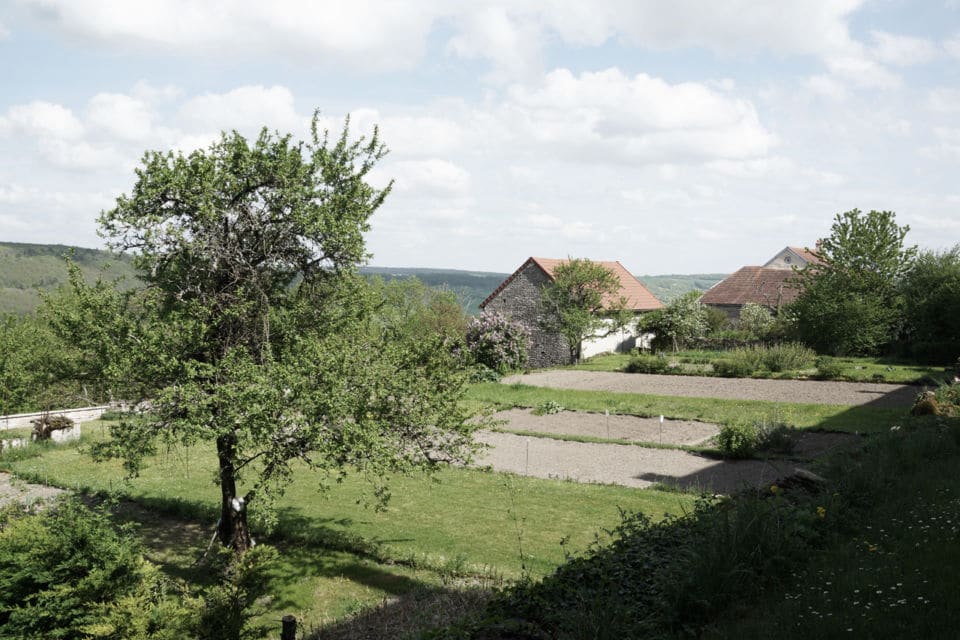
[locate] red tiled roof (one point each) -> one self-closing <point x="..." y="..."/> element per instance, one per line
<point x="638" y="296"/>
<point x="759" y="285"/>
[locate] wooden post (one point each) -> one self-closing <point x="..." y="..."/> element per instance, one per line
<point x="289" y="629"/>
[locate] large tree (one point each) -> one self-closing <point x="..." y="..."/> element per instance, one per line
<point x="931" y="293"/>
<point x="850" y="302"/>
<point x="255" y="331"/>
<point x="582" y="302"/>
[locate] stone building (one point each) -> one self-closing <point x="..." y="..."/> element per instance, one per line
<point x="518" y="298"/>
<point x="769" y="285"/>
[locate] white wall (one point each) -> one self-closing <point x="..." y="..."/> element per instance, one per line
<point x="618" y="341"/>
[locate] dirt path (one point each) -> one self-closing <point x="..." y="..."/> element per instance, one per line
<point x="803" y="391"/>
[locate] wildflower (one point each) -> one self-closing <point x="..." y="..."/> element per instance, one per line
<point x="774" y="489"/>
<point x="821" y="512"/>
<point x="895" y="427"/>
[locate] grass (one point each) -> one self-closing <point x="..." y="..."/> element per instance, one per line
<point x="857" y="419"/>
<point x="852" y="369"/>
<point x="896" y="577"/>
<point x="340" y="556"/>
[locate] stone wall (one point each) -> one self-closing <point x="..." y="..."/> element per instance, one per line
<point x="20" y="420"/>
<point x="520" y="301"/>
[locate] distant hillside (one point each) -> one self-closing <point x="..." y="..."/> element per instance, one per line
<point x="471" y="287"/>
<point x="25" y="268"/>
<point x="668" y="287"/>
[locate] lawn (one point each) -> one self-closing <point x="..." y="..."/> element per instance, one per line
<point x="858" y="419"/>
<point x="340" y="553"/>
<point x="852" y="369"/>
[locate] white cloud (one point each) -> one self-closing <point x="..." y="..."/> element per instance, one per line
<point x="826" y="86"/>
<point x="901" y="51"/>
<point x="609" y="117"/>
<point x="944" y="100"/>
<point x="952" y="46"/>
<point x="43" y="119"/>
<point x="393" y="35"/>
<point x="247" y="109"/>
<point x="366" y="33"/>
<point x="121" y="116"/>
<point x="432" y="176"/>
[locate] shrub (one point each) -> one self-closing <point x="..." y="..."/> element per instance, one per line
<point x="756" y="319"/>
<point x="647" y="364"/>
<point x="549" y="407"/>
<point x="738" y="440"/>
<point x="787" y="356"/>
<point x="828" y="369"/>
<point x="732" y="368"/>
<point x="496" y="342"/>
<point x="68" y="573"/>
<point x="483" y="373"/>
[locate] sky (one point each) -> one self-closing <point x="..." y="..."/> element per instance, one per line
<point x="675" y="137"/>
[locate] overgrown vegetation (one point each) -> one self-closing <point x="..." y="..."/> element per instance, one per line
<point x="497" y="343"/>
<point x="676" y="578"/>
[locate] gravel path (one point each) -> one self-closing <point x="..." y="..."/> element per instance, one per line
<point x="12" y="490"/>
<point x="804" y="391"/>
<point x="627" y="465"/>
<point x="615" y="427"/>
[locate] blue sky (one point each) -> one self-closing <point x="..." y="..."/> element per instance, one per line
<point x="675" y="137"/>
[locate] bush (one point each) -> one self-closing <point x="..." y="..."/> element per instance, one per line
<point x="828" y="369"/>
<point x="738" y="440"/>
<point x="732" y="368"/>
<point x="550" y="407"/>
<point x="756" y="320"/>
<point x="68" y="573"/>
<point x="787" y="356"/>
<point x="496" y="342"/>
<point x="647" y="364"/>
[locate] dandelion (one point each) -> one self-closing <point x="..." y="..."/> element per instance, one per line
<point x="821" y="512"/>
<point x="774" y="489"/>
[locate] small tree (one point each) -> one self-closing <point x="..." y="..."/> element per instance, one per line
<point x="931" y="294"/>
<point x="679" y="323"/>
<point x="497" y="342"/>
<point x="850" y="302"/>
<point x="582" y="302"/>
<point x="255" y="332"/>
<point x="756" y="319"/>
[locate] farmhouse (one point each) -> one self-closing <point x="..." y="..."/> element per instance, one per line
<point x="518" y="298"/>
<point x="769" y="285"/>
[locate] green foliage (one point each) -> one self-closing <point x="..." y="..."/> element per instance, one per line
<point x="549" y="407"/>
<point x="256" y="332"/>
<point x="738" y="440"/>
<point x="850" y="301"/>
<point x="646" y="363"/>
<point x="679" y="323"/>
<point x="828" y="368"/>
<point x="786" y="356"/>
<point x="470" y="287"/>
<point x="582" y="302"/>
<point x="733" y="368"/>
<point x="229" y="607"/>
<point x="68" y="573"/>
<point x="496" y="342"/>
<point x="756" y="320"/>
<point x="716" y="320"/>
<point x="408" y="307"/>
<point x="37" y="369"/>
<point x="931" y="293"/>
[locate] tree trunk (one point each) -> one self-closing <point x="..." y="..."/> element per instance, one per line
<point x="232" y="531"/>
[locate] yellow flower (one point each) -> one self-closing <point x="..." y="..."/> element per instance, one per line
<point x="821" y="512"/>
<point x="775" y="489"/>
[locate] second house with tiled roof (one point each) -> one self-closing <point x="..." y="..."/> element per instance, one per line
<point x="771" y="285"/>
<point x="518" y="298"/>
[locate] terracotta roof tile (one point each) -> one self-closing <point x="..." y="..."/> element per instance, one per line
<point x="638" y="296"/>
<point x="759" y="285"/>
<point x="805" y="253"/>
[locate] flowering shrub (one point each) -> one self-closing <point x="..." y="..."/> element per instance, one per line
<point x="496" y="342"/>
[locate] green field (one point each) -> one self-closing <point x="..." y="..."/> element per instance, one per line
<point x="469" y="523"/>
